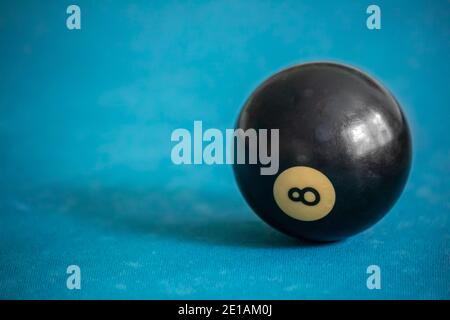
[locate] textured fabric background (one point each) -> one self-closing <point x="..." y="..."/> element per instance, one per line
<point x="85" y="170"/>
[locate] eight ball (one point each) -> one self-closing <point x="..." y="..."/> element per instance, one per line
<point x="344" y="151"/>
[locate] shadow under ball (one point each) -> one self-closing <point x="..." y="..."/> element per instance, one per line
<point x="344" y="151"/>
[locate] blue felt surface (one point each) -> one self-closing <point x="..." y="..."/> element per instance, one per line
<point x="85" y="170"/>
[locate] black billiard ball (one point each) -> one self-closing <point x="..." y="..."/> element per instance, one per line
<point x="344" y="151"/>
